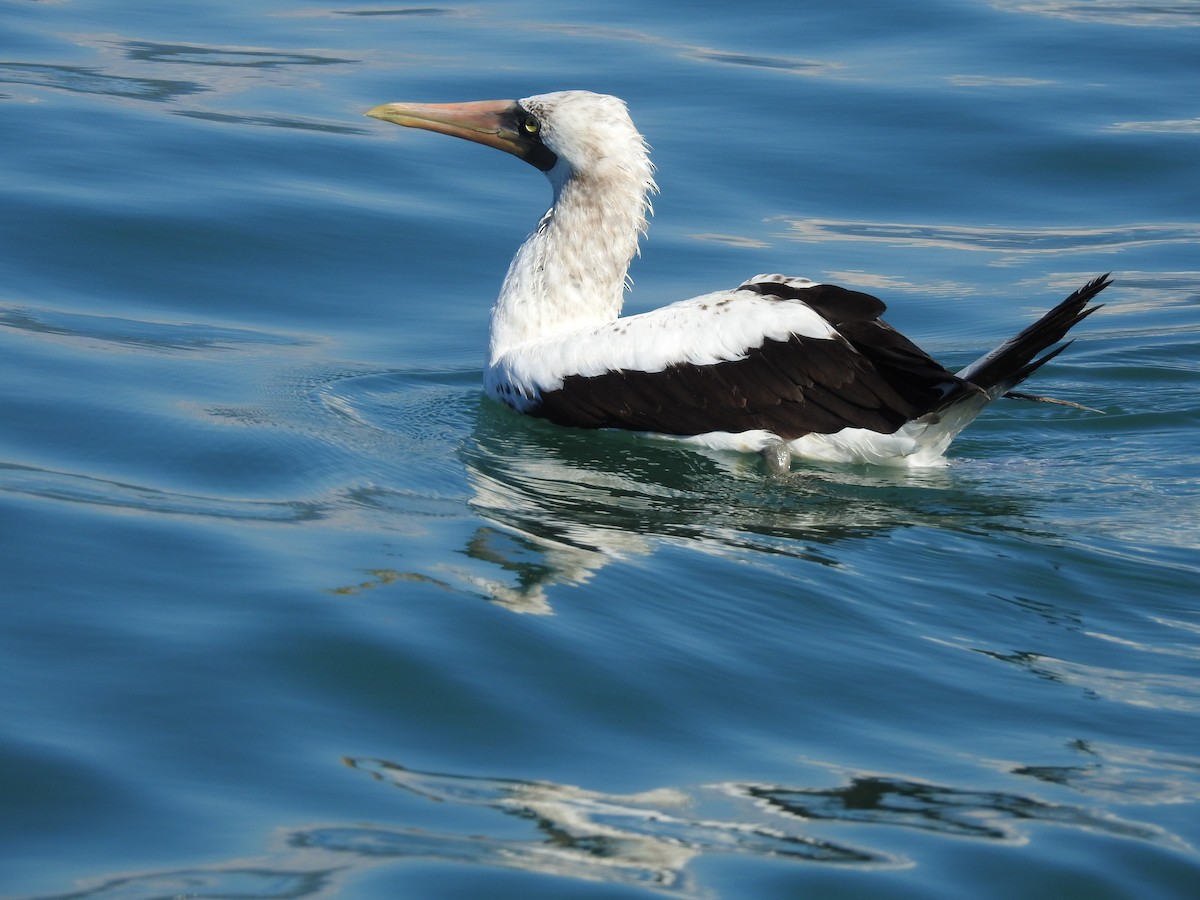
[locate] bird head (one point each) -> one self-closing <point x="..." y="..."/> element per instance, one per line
<point x="563" y="133"/>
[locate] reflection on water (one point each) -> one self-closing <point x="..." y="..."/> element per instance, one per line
<point x="1112" y="773"/>
<point x="1136" y="688"/>
<point x="648" y="839"/>
<point x="792" y="64"/>
<point x="1022" y="241"/>
<point x="199" y="55"/>
<point x="930" y="807"/>
<point x="84" y="80"/>
<point x="75" y="487"/>
<point x="397" y="11"/>
<point x="217" y="881"/>
<point x="215" y="71"/>
<point x="799" y="66"/>
<point x="1159" y="126"/>
<point x="643" y="838"/>
<point x="271" y="122"/>
<point x="561" y="503"/>
<point x="1110" y="12"/>
<point x="137" y="334"/>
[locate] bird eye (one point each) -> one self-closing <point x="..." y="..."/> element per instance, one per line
<point x="532" y="125"/>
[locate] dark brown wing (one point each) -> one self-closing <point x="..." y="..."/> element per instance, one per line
<point x="869" y="377"/>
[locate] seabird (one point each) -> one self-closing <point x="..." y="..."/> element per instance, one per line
<point x="779" y="365"/>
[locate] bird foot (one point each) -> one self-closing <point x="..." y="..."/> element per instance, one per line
<point x="777" y="458"/>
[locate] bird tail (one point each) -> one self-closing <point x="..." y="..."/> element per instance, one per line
<point x="995" y="373"/>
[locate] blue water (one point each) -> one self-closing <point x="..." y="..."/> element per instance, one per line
<point x="289" y="610"/>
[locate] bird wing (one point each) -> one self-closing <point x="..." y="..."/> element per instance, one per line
<point x="783" y="355"/>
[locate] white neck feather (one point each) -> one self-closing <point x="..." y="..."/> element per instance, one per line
<point x="571" y="272"/>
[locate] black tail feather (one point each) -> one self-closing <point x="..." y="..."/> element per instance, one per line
<point x="1017" y="358"/>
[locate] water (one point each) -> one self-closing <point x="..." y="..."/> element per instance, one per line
<point x="290" y="610"/>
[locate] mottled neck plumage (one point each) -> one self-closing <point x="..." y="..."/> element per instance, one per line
<point x="571" y="272"/>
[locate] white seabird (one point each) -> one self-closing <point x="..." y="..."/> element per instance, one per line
<point x="779" y="365"/>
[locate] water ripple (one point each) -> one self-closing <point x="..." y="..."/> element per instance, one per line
<point x="143" y="335"/>
<point x="991" y="240"/>
<point x="397" y="11"/>
<point x="73" y="487"/>
<point x="1150" y="690"/>
<point x="1113" y="773"/>
<point x="697" y="52"/>
<point x="200" y="55"/>
<point x="85" y="80"/>
<point x="647" y="839"/>
<point x="1161" y="126"/>
<point x="271" y="122"/>
<point x="1110" y="12"/>
<point x="946" y="810"/>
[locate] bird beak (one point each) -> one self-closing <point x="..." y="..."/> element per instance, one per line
<point x="490" y="122"/>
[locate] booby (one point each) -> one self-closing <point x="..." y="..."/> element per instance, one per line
<point x="780" y="365"/>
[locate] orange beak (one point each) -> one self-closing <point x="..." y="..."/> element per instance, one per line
<point x="502" y="124"/>
<point x="490" y="122"/>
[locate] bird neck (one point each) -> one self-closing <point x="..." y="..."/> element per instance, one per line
<point x="571" y="273"/>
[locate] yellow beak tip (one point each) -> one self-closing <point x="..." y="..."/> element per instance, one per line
<point x="377" y="112"/>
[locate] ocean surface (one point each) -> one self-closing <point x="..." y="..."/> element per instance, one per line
<point x="290" y="610"/>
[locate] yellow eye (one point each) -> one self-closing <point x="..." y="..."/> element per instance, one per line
<point x="532" y="125"/>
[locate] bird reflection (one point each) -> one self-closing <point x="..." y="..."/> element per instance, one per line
<point x="559" y="505"/>
<point x="645" y="840"/>
<point x="939" y="808"/>
<point x="553" y="506"/>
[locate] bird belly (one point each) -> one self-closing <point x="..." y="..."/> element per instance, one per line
<point x="850" y="445"/>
